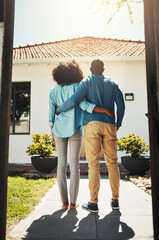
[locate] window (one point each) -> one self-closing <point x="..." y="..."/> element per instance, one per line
<point x="20" y="108"/>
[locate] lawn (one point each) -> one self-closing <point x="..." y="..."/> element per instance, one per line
<point x="23" y="195"/>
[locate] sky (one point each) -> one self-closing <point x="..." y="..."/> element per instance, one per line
<point x="38" y="21"/>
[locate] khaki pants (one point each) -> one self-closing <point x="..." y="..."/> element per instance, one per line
<point x="97" y="134"/>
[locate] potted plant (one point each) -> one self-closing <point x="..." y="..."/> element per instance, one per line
<point x="136" y="162"/>
<point x="41" y="151"/>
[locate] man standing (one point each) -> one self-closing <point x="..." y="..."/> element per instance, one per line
<point x="100" y="130"/>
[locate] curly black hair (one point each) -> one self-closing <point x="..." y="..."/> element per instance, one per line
<point x="67" y="73"/>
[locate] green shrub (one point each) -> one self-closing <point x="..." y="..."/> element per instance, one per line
<point x="41" y="145"/>
<point x="133" y="144"/>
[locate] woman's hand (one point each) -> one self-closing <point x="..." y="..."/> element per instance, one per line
<point x="110" y="113"/>
<point x="53" y="139"/>
<point x="104" y="110"/>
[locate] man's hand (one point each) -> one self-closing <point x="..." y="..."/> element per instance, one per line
<point x="57" y="113"/>
<point x="117" y="128"/>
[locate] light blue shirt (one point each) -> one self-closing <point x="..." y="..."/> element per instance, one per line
<point x="101" y="91"/>
<point x="66" y="123"/>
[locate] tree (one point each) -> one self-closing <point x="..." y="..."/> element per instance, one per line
<point x="113" y="6"/>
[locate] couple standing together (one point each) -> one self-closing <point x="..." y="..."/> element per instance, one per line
<point x="90" y="103"/>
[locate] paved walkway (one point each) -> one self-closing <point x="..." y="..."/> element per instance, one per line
<point x="48" y="221"/>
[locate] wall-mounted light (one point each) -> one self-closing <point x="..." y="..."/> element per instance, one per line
<point x="129" y="97"/>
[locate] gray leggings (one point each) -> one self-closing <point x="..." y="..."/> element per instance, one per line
<point x="74" y="143"/>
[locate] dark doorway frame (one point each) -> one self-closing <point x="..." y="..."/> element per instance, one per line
<point x="6" y="41"/>
<point x="151" y="17"/>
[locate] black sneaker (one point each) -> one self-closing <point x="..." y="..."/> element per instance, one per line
<point x="115" y="205"/>
<point x="90" y="207"/>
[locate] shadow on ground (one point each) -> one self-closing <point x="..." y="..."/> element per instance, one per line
<point x="66" y="225"/>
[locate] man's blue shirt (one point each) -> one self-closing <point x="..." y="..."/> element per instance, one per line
<point x="101" y="91"/>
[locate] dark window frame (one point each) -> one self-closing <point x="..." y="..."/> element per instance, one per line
<point x="14" y="85"/>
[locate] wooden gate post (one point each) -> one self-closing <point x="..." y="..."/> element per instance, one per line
<point x="6" y="49"/>
<point x="151" y="15"/>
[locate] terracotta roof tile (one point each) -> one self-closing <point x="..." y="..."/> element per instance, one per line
<point x="81" y="47"/>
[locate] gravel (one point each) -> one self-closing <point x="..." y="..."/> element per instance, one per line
<point x="144" y="183"/>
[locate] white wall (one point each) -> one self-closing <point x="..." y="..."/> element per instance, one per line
<point x="131" y="76"/>
<point x="39" y="74"/>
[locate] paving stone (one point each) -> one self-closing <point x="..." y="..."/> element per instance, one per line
<point x="48" y="221"/>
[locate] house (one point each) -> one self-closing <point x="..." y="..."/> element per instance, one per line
<point x="32" y="80"/>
